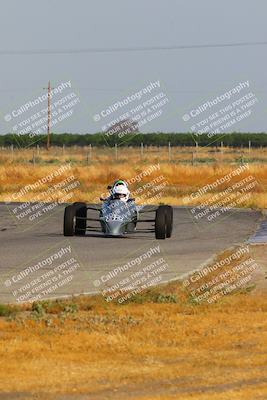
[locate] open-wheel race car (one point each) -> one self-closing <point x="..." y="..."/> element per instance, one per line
<point x="117" y="219"/>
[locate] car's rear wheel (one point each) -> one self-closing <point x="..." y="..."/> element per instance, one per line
<point x="160" y="223"/>
<point x="81" y="212"/>
<point x="69" y="220"/>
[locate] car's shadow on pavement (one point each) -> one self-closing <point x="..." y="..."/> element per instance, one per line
<point x="99" y="236"/>
<point x="131" y="237"/>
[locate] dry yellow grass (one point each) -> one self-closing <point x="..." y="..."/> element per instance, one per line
<point x="180" y="177"/>
<point x="140" y="351"/>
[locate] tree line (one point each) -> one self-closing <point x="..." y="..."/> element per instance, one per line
<point x="235" y="139"/>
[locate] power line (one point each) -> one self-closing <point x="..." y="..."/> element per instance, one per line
<point x="103" y="90"/>
<point x="129" y="49"/>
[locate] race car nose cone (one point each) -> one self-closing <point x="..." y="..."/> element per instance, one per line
<point x="114" y="228"/>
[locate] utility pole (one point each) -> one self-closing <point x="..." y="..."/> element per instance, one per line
<point x="48" y="115"/>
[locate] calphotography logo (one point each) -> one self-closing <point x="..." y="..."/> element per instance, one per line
<point x="219" y="114"/>
<point x="42" y="113"/>
<point x="38" y="200"/>
<point x="127" y="115"/>
<point x="45" y="277"/>
<point x="229" y="274"/>
<point x="139" y="274"/>
<point x="221" y="196"/>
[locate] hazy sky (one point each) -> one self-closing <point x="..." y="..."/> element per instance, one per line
<point x="188" y="77"/>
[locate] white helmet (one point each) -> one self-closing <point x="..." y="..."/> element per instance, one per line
<point x="120" y="191"/>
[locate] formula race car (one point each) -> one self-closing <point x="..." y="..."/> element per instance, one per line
<point x="117" y="218"/>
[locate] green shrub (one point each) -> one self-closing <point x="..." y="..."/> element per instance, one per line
<point x="7" y="310"/>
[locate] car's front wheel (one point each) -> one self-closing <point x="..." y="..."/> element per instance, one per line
<point x="169" y="221"/>
<point x="81" y="214"/>
<point x="164" y="222"/>
<point x="69" y="221"/>
<point x="160" y="223"/>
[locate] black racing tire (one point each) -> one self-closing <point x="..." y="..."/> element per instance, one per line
<point x="160" y="223"/>
<point x="169" y="221"/>
<point x="81" y="212"/>
<point x="69" y="220"/>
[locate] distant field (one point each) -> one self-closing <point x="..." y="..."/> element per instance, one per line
<point x="183" y="171"/>
<point x="87" y="154"/>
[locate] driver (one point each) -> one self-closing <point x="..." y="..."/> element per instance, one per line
<point x="127" y="209"/>
<point x="120" y="191"/>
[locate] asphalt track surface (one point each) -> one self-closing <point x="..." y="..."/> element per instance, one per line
<point x="37" y="260"/>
